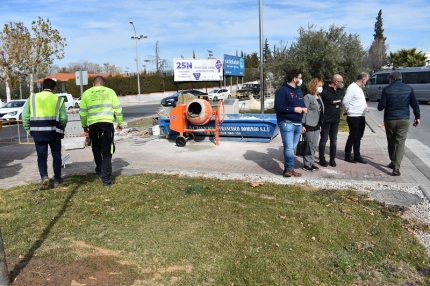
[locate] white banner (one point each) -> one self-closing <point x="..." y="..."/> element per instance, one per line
<point x="197" y="69"/>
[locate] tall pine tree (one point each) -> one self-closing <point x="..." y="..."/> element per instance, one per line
<point x="376" y="55"/>
<point x="379" y="32"/>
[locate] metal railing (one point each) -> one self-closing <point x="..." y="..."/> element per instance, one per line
<point x="12" y="132"/>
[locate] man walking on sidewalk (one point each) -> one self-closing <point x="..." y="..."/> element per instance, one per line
<point x="99" y="108"/>
<point x="355" y="106"/>
<point x="396" y="99"/>
<point x="45" y="118"/>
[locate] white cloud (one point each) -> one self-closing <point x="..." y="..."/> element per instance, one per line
<point x="100" y="31"/>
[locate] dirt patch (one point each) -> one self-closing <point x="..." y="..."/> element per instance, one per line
<point x="94" y="270"/>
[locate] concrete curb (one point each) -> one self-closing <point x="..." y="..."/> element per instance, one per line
<point x="425" y="191"/>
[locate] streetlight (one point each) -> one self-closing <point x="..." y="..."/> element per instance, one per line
<point x="137" y="38"/>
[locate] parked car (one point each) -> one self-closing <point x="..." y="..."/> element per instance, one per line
<point x="12" y="110"/>
<point x="217" y="94"/>
<point x="248" y="91"/>
<point x="77" y="102"/>
<point x="68" y="100"/>
<point x="173" y="99"/>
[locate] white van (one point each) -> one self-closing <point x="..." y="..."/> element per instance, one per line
<point x="418" y="78"/>
<point x="68" y="100"/>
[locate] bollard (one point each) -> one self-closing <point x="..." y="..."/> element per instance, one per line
<point x="4" y="280"/>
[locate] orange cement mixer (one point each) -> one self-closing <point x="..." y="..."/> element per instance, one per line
<point x="197" y="112"/>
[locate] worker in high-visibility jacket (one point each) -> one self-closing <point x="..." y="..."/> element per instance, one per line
<point x="45" y="118"/>
<point x="98" y="109"/>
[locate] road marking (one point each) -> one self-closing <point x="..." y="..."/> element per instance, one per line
<point x="420" y="150"/>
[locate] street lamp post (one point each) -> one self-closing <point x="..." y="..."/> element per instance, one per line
<point x="137" y="38"/>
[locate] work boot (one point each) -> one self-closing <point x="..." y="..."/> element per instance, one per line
<point x="58" y="182"/>
<point x="45" y="183"/>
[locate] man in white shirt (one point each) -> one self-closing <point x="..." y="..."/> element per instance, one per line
<point x="355" y="106"/>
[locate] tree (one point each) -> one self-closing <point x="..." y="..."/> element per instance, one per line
<point x="379" y="32"/>
<point x="407" y="58"/>
<point x="376" y="55"/>
<point x="252" y="61"/>
<point x="14" y="43"/>
<point x="45" y="45"/>
<point x="319" y="53"/>
<point x="266" y="51"/>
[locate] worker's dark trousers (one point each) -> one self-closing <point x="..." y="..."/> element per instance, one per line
<point x="101" y="136"/>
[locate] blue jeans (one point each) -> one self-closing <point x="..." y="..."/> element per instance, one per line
<point x="290" y="134"/>
<point x="42" y="157"/>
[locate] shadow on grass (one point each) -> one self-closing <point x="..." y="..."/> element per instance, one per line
<point x="88" y="167"/>
<point x="44" y="235"/>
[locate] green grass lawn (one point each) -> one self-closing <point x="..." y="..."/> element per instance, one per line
<point x="172" y="230"/>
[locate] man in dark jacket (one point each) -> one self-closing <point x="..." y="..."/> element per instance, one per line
<point x="332" y="102"/>
<point x="396" y="99"/>
<point x="289" y="107"/>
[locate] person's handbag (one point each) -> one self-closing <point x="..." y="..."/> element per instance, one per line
<point x="301" y="146"/>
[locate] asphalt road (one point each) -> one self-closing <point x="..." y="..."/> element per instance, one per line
<point x="421" y="133"/>
<point x="133" y="112"/>
<point x="418" y="141"/>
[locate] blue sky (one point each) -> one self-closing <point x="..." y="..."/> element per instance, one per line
<point x="100" y="32"/>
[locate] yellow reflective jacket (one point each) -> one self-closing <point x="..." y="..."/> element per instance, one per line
<point x="100" y="104"/>
<point x="44" y="116"/>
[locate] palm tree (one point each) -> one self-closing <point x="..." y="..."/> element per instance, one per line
<point x="407" y="58"/>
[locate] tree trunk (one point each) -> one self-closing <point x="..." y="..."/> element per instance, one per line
<point x="31" y="83"/>
<point x="6" y="82"/>
<point x="4" y="280"/>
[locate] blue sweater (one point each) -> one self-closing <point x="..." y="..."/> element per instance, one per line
<point x="286" y="98"/>
<point x="396" y="99"/>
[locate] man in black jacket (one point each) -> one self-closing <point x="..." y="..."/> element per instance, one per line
<point x="331" y="98"/>
<point x="396" y="99"/>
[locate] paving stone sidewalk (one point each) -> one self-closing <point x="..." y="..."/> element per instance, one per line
<point x="18" y="163"/>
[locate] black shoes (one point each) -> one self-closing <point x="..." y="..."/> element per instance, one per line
<point x="309" y="169"/>
<point x="323" y="163"/>
<point x="360" y="160"/>
<point x="314" y="168"/>
<point x="391" y="166"/>
<point x="350" y="160"/>
<point x="396" y="172"/>
<point x="332" y="163"/>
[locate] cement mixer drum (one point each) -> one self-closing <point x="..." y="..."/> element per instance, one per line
<point x="199" y="112"/>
